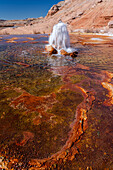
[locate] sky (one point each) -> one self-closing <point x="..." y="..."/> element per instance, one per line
<point x="22" y="9"/>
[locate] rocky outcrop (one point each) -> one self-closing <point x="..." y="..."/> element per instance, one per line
<point x="77" y="14"/>
<point x="110" y="24"/>
<point x="55" y="8"/>
<point x="17" y="23"/>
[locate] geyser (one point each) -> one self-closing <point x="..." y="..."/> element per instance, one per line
<point x="59" y="38"/>
<point x="59" y="41"/>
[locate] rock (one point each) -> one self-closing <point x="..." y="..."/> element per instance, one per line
<point x="80" y="13"/>
<point x="72" y="52"/>
<point x="69" y="51"/>
<point x="55" y="8"/>
<point x="99" y="1"/>
<point x="110" y="24"/>
<point x="63" y="52"/>
<point x="93" y="14"/>
<point x="50" y="49"/>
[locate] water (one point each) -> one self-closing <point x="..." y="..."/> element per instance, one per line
<point x="97" y="39"/>
<point x="39" y="95"/>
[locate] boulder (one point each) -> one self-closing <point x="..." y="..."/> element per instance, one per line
<point x="50" y="49"/>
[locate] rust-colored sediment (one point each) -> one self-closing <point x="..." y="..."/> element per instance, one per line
<point x="32" y="103"/>
<point x="109" y="86"/>
<point x="78" y="127"/>
<point x="69" y="150"/>
<point x="26" y="137"/>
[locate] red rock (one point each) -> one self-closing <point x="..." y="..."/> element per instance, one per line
<point x="110" y="24"/>
<point x="91" y="15"/>
<point x="72" y="54"/>
<point x="50" y="49"/>
<point x="55" y="8"/>
<point x="63" y="52"/>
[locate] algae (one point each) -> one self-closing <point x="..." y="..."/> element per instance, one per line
<point x="78" y="78"/>
<point x="51" y="134"/>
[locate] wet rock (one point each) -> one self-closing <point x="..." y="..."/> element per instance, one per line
<point x="63" y="52"/>
<point x="73" y="53"/>
<point x="50" y="49"/>
<point x="109" y="87"/>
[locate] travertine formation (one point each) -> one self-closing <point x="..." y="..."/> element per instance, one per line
<point x="79" y="15"/>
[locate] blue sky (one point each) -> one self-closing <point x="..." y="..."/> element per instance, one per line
<point x="22" y="9"/>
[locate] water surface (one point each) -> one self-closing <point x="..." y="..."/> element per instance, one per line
<point x="36" y="108"/>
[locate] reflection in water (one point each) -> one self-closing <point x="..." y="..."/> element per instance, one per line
<point x="58" y="60"/>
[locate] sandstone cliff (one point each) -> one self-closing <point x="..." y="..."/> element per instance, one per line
<point x="88" y="15"/>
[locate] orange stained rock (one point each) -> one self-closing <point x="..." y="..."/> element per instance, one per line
<point x="14" y="38"/>
<point x="11" y="41"/>
<point x="83" y="113"/>
<point x="34" y="103"/>
<point x="109" y="87"/>
<point x="44" y="42"/>
<point x="24" y="41"/>
<point x="108" y="76"/>
<point x="50" y="49"/>
<point x="83" y="90"/>
<point x="72" y="54"/>
<point x="63" y="52"/>
<point x="29" y="38"/>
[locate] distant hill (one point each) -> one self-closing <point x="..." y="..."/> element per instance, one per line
<point x="2" y="20"/>
<point x="80" y="15"/>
